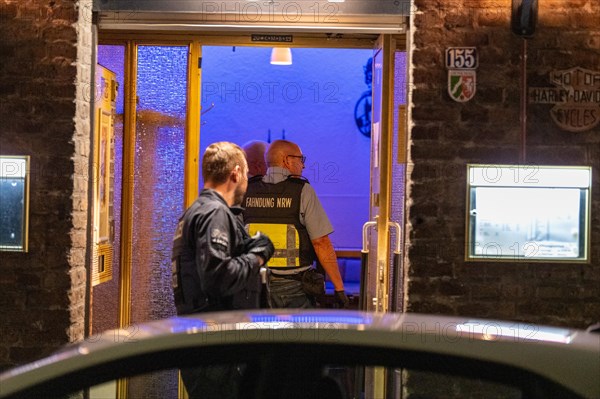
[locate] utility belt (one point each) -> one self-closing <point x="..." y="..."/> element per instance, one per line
<point x="289" y="272"/>
<point x="313" y="282"/>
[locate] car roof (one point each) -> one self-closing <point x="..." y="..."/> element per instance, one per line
<point x="540" y="350"/>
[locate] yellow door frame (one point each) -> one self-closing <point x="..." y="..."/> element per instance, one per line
<point x="386" y="44"/>
<point x="129" y="122"/>
<point x="192" y="131"/>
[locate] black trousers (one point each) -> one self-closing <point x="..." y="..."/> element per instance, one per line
<point x="213" y="382"/>
<point x="287" y="292"/>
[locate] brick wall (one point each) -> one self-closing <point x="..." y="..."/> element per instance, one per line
<point x="447" y="135"/>
<point x="45" y="114"/>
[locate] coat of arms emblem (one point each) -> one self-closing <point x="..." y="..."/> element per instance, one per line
<point x="461" y="85"/>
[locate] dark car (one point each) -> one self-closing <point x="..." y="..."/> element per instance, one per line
<point x="324" y="353"/>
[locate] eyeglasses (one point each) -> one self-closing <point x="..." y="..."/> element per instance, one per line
<point x="302" y="157"/>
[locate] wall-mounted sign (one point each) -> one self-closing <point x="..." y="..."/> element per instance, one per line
<point x="576" y="98"/>
<point x="14" y="202"/>
<point x="461" y="63"/>
<point x="528" y="213"/>
<point x="273" y="38"/>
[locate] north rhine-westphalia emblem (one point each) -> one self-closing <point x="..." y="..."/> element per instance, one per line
<point x="461" y="85"/>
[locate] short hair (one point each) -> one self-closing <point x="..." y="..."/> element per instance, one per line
<point x="278" y="150"/>
<point x="220" y="159"/>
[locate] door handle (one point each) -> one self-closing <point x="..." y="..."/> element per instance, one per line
<point x="364" y="264"/>
<point x="395" y="264"/>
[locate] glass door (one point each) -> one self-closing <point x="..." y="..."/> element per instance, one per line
<point x="149" y="168"/>
<point x="158" y="192"/>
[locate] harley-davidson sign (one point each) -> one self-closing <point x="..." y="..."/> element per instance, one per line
<point x="576" y="98"/>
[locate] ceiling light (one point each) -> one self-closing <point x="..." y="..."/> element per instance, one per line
<point x="281" y="56"/>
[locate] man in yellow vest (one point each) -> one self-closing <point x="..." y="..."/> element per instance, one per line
<point x="284" y="206"/>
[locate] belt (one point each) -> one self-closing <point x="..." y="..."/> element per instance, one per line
<point x="288" y="271"/>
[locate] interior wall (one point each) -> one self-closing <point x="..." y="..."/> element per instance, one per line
<point x="310" y="102"/>
<point x="446" y="135"/>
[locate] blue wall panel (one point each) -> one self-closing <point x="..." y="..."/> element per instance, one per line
<point x="313" y="101"/>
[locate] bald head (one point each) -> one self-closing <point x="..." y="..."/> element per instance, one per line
<point x="285" y="154"/>
<point x="255" y="155"/>
<point x="278" y="150"/>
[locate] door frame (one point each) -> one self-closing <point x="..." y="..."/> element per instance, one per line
<point x="131" y="41"/>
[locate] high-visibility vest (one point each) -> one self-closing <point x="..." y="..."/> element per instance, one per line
<point x="274" y="210"/>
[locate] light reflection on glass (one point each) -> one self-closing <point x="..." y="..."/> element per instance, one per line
<point x="190" y="326"/>
<point x="495" y="330"/>
<point x="312" y="318"/>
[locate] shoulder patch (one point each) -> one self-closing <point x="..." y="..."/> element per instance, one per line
<point x="220" y="238"/>
<point x="178" y="230"/>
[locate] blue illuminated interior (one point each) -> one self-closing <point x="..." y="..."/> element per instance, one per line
<point x="113" y="58"/>
<point x="311" y="102"/>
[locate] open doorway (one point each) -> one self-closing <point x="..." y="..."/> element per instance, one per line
<point x="243" y="97"/>
<point x="318" y="102"/>
<point x="312" y="103"/>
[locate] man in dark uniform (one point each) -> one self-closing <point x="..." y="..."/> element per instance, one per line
<point x="283" y="205"/>
<point x="215" y="262"/>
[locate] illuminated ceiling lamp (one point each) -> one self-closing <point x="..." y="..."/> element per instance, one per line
<point x="281" y="56"/>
